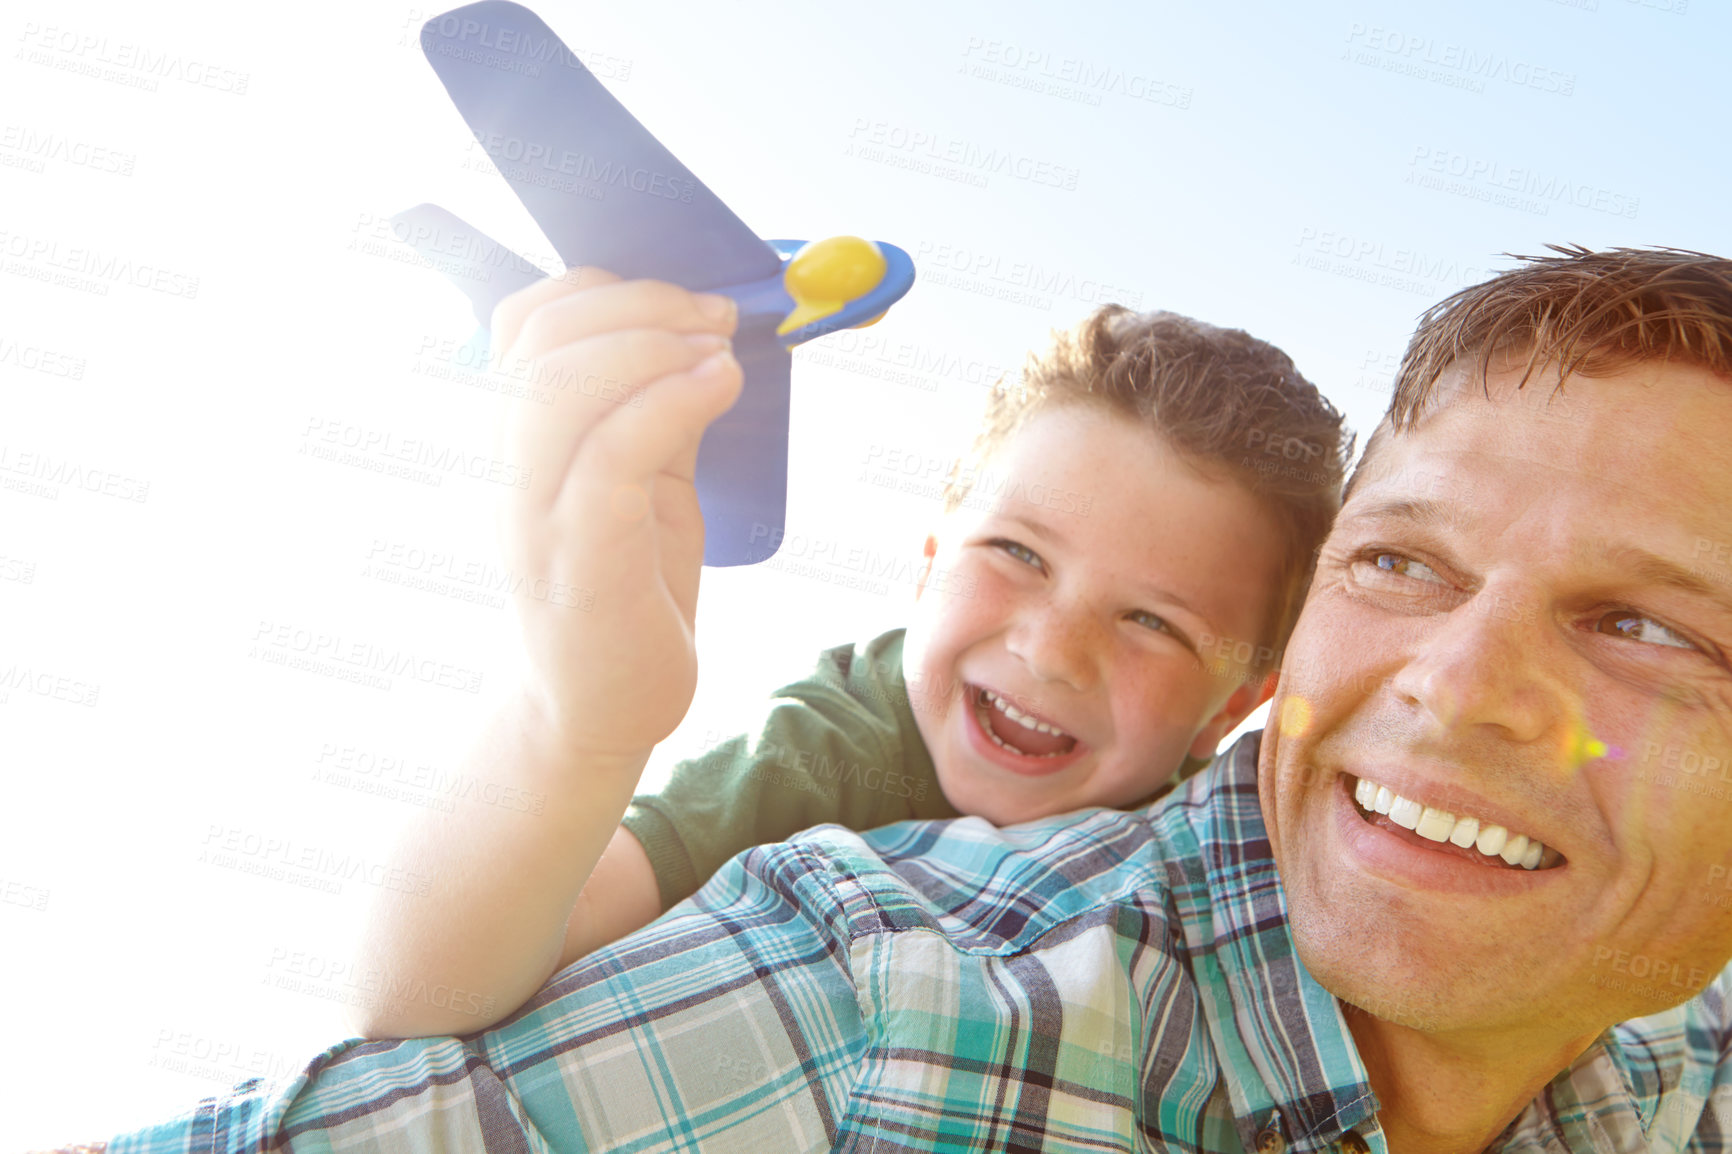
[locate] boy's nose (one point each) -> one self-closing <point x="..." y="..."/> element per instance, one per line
<point x="1057" y="647"/>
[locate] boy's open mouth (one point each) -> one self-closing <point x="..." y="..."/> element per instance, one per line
<point x="1017" y="731"/>
<point x="1460" y="835"/>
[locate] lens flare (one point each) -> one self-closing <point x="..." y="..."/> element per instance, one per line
<point x="1581" y="747"/>
<point x="1295" y="716"/>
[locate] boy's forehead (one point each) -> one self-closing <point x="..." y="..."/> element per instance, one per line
<point x="1128" y="509"/>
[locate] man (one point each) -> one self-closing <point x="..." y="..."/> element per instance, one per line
<point x="1338" y="937"/>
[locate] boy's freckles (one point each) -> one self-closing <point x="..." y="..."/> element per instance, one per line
<point x="1087" y="624"/>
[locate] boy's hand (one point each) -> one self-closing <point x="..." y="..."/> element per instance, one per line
<point x="639" y="369"/>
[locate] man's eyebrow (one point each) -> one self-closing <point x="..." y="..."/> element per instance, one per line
<point x="1653" y="569"/>
<point x="1424" y="511"/>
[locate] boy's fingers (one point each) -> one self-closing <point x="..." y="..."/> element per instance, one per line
<point x="566" y="318"/>
<point x="642" y="443"/>
<point x="597" y="381"/>
<point x="510" y="313"/>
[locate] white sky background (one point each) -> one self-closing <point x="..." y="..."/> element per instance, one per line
<point x="1280" y="180"/>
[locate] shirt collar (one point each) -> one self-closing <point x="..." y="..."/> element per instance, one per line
<point x="1290" y="1064"/>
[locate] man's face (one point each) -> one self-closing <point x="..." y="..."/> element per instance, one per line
<point x="1518" y="617"/>
<point x="1054" y="657"/>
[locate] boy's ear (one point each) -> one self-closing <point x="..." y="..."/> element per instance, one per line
<point x="931" y="551"/>
<point x="1236" y="709"/>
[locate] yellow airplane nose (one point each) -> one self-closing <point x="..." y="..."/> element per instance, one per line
<point x="827" y="274"/>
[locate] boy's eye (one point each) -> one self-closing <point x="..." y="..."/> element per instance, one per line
<point x="1635" y="627"/>
<point x="1153" y="621"/>
<point x="1021" y="552"/>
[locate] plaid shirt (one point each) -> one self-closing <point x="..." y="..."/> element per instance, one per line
<point x="1104" y="981"/>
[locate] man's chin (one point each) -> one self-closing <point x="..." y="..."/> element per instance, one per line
<point x="1372" y="972"/>
<point x="1433" y="964"/>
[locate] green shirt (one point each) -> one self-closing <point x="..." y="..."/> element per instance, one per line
<point x="839" y="746"/>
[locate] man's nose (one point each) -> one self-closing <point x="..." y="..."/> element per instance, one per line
<point x="1058" y="644"/>
<point x="1486" y="663"/>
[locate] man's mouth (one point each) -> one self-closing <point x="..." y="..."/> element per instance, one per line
<point x="1018" y="731"/>
<point x="1464" y="835"/>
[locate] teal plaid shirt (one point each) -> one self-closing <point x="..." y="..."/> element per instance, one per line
<point x="1103" y="981"/>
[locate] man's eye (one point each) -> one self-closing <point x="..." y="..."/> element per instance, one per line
<point x="1635" y="627"/>
<point x="1404" y="566"/>
<point x="1021" y="552"/>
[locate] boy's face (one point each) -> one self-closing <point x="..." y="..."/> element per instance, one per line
<point x="1079" y="586"/>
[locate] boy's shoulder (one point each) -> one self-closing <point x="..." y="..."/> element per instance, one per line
<point x="863" y="680"/>
<point x="874" y="662"/>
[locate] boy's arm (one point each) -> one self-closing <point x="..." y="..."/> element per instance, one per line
<point x="832" y="748"/>
<point x="609" y="508"/>
<point x="620" y="896"/>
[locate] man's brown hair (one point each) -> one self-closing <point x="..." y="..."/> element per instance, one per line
<point x="1579" y="311"/>
<point x="1233" y="407"/>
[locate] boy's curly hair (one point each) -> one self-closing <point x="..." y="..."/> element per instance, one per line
<point x="1232" y="406"/>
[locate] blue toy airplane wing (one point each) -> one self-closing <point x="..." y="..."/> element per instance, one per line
<point x="603" y="190"/>
<point x="484" y="270"/>
<point x="606" y="193"/>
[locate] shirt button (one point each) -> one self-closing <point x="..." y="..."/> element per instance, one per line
<point x="1354" y="1144"/>
<point x="1269" y="1141"/>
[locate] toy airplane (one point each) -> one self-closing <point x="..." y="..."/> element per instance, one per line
<point x="606" y="193"/>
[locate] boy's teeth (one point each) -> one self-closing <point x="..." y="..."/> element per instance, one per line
<point x="1441" y="826"/>
<point x="1020" y="717"/>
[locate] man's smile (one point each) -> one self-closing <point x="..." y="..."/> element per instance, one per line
<point x="1461" y="835"/>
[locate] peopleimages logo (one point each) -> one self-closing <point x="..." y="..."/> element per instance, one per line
<point x="1065" y="77"/>
<point x="41" y="259"/>
<point x="973" y="267"/>
<point x="134" y="65"/>
<point x="939" y="154"/>
<point x="1454" y="65"/>
<point x="364" y="662"/>
<point x="385" y="445"/>
<point x="38" y="148"/>
<point x="508" y="49"/>
<point x="1515" y="186"/>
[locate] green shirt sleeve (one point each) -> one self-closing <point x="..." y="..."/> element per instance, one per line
<point x="839" y="746"/>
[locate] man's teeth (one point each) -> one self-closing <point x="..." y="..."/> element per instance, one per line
<point x="1439" y="826"/>
<point x="1019" y="716"/>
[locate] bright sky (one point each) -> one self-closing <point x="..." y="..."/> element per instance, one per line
<point x="196" y="287"/>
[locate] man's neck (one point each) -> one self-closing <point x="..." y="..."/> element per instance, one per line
<point x="1453" y="1094"/>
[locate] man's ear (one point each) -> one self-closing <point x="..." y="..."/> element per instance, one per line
<point x="1237" y="708"/>
<point x="931" y="552"/>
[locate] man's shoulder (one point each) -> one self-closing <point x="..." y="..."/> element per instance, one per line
<point x="994" y="888"/>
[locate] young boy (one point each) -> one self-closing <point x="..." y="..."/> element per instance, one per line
<point x="1138" y="450"/>
<point x="1121" y="557"/>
